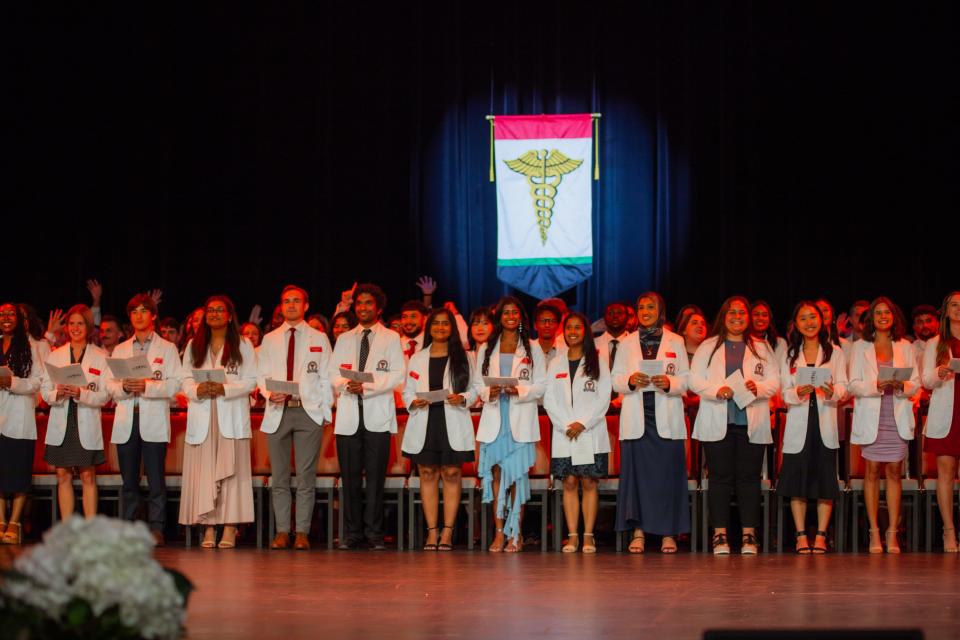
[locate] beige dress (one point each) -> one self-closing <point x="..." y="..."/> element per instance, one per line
<point x="217" y="487"/>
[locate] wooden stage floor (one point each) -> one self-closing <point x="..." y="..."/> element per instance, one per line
<point x="245" y="593"/>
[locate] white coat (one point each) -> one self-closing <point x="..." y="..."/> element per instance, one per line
<point x="798" y="409"/>
<point x="668" y="405"/>
<point x="863" y="387"/>
<point x="18" y="403"/>
<point x="155" y="401"/>
<point x="707" y="378"/>
<point x="92" y="397"/>
<point x="459" y="423"/>
<point x="531" y="373"/>
<point x="586" y="403"/>
<point x="233" y="408"/>
<point x="311" y="361"/>
<point x="940" y="413"/>
<point x="385" y="361"/>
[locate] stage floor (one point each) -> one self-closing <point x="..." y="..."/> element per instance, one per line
<point x="246" y="593"/>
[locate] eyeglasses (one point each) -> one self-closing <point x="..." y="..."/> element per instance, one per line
<point x="216" y="310"/>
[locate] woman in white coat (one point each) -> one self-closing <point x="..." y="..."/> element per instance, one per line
<point x="439" y="436"/>
<point x="943" y="417"/>
<point x="734" y="439"/>
<point x="74" y="430"/>
<point x="508" y="423"/>
<point x="653" y="496"/>
<point x="576" y="399"/>
<point x="18" y="424"/>
<point x="217" y="485"/>
<point x="810" y="439"/>
<point x="883" y="418"/>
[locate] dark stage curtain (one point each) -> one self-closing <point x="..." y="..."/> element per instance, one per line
<point x="777" y="150"/>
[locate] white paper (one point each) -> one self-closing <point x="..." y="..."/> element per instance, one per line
<point x="955" y="364"/>
<point x="491" y="381"/>
<point x="290" y="388"/>
<point x="581" y="449"/>
<point x="741" y="395"/>
<point x="440" y="395"/>
<point x="817" y="376"/>
<point x="901" y="374"/>
<point x="136" y="368"/>
<point x="6" y="372"/>
<point x="210" y="375"/>
<point x="356" y="376"/>
<point x="71" y="374"/>
<point x="652" y="367"/>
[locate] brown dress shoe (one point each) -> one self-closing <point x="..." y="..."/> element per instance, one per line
<point x="281" y="540"/>
<point x="158" y="540"/>
<point x="301" y="543"/>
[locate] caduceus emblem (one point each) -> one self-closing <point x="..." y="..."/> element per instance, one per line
<point x="544" y="170"/>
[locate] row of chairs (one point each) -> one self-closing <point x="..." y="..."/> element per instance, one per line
<point x="402" y="489"/>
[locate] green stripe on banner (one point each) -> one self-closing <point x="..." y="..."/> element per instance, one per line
<point x="526" y="262"/>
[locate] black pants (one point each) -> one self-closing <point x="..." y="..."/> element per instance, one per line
<point x="734" y="464"/>
<point x="363" y="453"/>
<point x="154" y="455"/>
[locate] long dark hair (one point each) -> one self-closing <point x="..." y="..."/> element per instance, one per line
<point x="33" y="324"/>
<point x="459" y="364"/>
<point x="523" y="329"/>
<point x="591" y="359"/>
<point x="20" y="355"/>
<point x="795" y="338"/>
<point x="719" y="328"/>
<point x="482" y="312"/>
<point x="201" y="337"/>
<point x="770" y="335"/>
<point x="832" y="327"/>
<point x="943" y="345"/>
<point x="899" y="325"/>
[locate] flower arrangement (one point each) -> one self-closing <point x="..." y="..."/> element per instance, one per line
<point x="93" y="579"/>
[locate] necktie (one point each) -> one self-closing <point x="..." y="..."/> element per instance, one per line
<point x="613" y="356"/>
<point x="291" y="356"/>
<point x="364" y="349"/>
<point x="411" y="348"/>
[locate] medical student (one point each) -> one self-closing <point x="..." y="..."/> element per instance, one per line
<point x="74" y="430"/>
<point x="294" y="352"/>
<point x="734" y="439"/>
<point x="141" y="423"/>
<point x="412" y="318"/>
<point x="366" y="416"/>
<point x="653" y="496"/>
<point x="883" y="420"/>
<point x="576" y="399"/>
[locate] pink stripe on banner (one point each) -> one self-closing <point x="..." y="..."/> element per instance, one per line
<point x="578" y="125"/>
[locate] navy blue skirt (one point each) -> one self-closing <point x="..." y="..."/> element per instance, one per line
<point x="653" y="493"/>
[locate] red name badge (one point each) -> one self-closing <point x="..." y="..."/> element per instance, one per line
<point x="346" y="366"/>
<point x="94" y="372"/>
<point x="414" y="375"/>
<point x="158" y="361"/>
<point x="316" y="349"/>
<point x="525" y="361"/>
<point x="671" y="354"/>
<point x="561" y="375"/>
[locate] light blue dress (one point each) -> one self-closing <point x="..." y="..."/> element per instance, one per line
<point x="514" y="459"/>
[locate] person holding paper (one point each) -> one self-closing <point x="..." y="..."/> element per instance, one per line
<point x="74" y="430"/>
<point x="366" y="416"/>
<point x="576" y="399"/>
<point x="141" y="423"/>
<point x="508" y="423"/>
<point x="883" y="418"/>
<point x="439" y="436"/>
<point x="298" y="356"/>
<point x="217" y="485"/>
<point x="810" y="440"/>
<point x="729" y="366"/>
<point x="651" y="373"/>
<point x="21" y="372"/>
<point x="940" y="365"/>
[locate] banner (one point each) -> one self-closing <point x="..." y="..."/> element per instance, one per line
<point x="544" y="201"/>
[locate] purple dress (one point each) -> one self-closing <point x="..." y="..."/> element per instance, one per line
<point x="889" y="446"/>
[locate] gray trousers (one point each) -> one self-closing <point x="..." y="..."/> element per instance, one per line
<point x="296" y="430"/>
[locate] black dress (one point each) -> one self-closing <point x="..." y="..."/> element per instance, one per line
<point x="812" y="472"/>
<point x="70" y="453"/>
<point x="16" y="457"/>
<point x="436" y="449"/>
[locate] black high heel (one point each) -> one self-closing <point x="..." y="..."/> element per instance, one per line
<point x="443" y="546"/>
<point x="432" y="546"/>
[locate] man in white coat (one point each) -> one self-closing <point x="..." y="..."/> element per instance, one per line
<point x="141" y="424"/>
<point x="366" y="416"/>
<point x="294" y="352"/>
